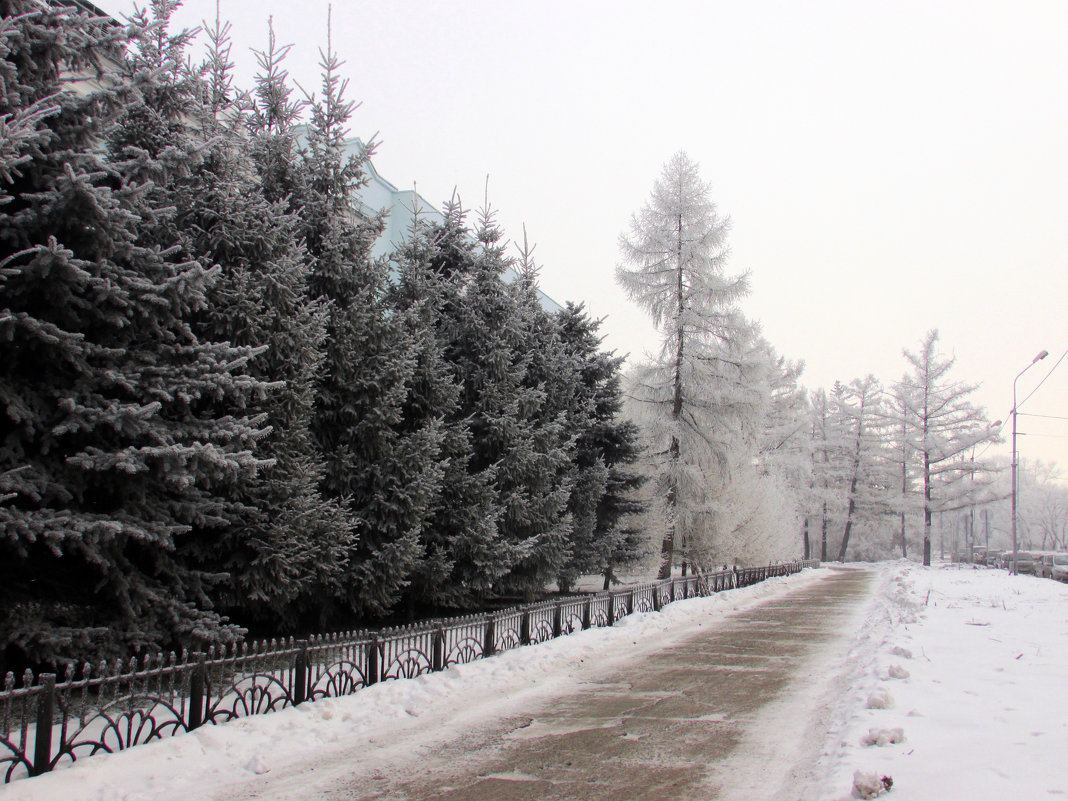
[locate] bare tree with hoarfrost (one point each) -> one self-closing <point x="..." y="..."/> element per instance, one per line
<point x="700" y="401"/>
<point x="870" y="477"/>
<point x="942" y="425"/>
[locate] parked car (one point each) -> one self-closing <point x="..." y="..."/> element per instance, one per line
<point x="1043" y="563"/>
<point x="1047" y="565"/>
<point x="1059" y="568"/>
<point x="1025" y="562"/>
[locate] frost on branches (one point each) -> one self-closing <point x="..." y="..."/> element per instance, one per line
<point x="702" y="401"/>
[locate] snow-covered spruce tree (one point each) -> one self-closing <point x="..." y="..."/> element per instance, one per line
<point x="461" y="541"/>
<point x="606" y="450"/>
<point x="524" y="419"/>
<point x="288" y="538"/>
<point x="109" y="438"/>
<point x="702" y="398"/>
<point x="942" y="425"/>
<point x="387" y="473"/>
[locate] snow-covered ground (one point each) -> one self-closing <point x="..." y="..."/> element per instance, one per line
<point x="956" y="675"/>
<point x="959" y="689"/>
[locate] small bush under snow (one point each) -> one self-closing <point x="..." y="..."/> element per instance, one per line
<point x="870" y="785"/>
<point x="883" y="737"/>
<point x="880" y="699"/>
<point x="898" y="672"/>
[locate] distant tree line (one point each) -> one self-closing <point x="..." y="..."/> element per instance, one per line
<point x="218" y="411"/>
<point x="746" y="465"/>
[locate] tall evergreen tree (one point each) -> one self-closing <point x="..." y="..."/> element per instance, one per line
<point x="606" y="450"/>
<point x="462" y="548"/>
<point x="289" y="539"/>
<point x="110" y="440"/>
<point x="552" y="418"/>
<point x="387" y="473"/>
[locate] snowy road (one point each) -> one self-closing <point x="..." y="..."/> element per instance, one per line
<point x="732" y="711"/>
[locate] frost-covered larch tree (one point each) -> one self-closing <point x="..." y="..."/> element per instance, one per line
<point x="701" y="399"/>
<point x="830" y="457"/>
<point x="785" y="454"/>
<point x="110" y="441"/>
<point x="942" y="425"/>
<point x="869" y="477"/>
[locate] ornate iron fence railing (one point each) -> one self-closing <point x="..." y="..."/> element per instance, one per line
<point x="49" y="721"/>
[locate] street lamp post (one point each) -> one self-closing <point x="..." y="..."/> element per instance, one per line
<point x="1034" y="361"/>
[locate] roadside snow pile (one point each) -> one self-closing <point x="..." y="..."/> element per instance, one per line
<point x="870" y="785"/>
<point x="982" y="699"/>
<point x="882" y="737"/>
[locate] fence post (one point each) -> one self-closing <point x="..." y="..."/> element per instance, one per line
<point x="46" y="706"/>
<point x="300" y="674"/>
<point x="489" y="642"/>
<point x="372" y="661"/>
<point x="524" y="628"/>
<point x="197" y="683"/>
<point x="558" y="620"/>
<point x="587" y="614"/>
<point x="438" y="647"/>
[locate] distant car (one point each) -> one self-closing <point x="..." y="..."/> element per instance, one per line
<point x="1002" y="559"/>
<point x="1043" y="563"/>
<point x="1052" y="563"/>
<point x="1025" y="562"/>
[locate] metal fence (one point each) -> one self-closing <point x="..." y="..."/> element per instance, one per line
<point x="51" y="721"/>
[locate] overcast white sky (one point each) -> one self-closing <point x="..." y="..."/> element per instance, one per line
<point x="889" y="167"/>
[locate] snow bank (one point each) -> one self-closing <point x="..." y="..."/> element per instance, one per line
<point x="975" y="660"/>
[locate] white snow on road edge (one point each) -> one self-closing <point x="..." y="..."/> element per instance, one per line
<point x="957" y="690"/>
<point x="307" y="744"/>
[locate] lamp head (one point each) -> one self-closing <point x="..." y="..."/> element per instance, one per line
<point x="1041" y="356"/>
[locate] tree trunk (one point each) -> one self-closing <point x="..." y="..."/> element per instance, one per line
<point x="926" y="509"/>
<point x="667" y="547"/>
<point x="804" y="537"/>
<point x="823" y="534"/>
<point x="848" y="528"/>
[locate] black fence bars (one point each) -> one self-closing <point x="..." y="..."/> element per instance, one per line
<point x="51" y="721"/>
